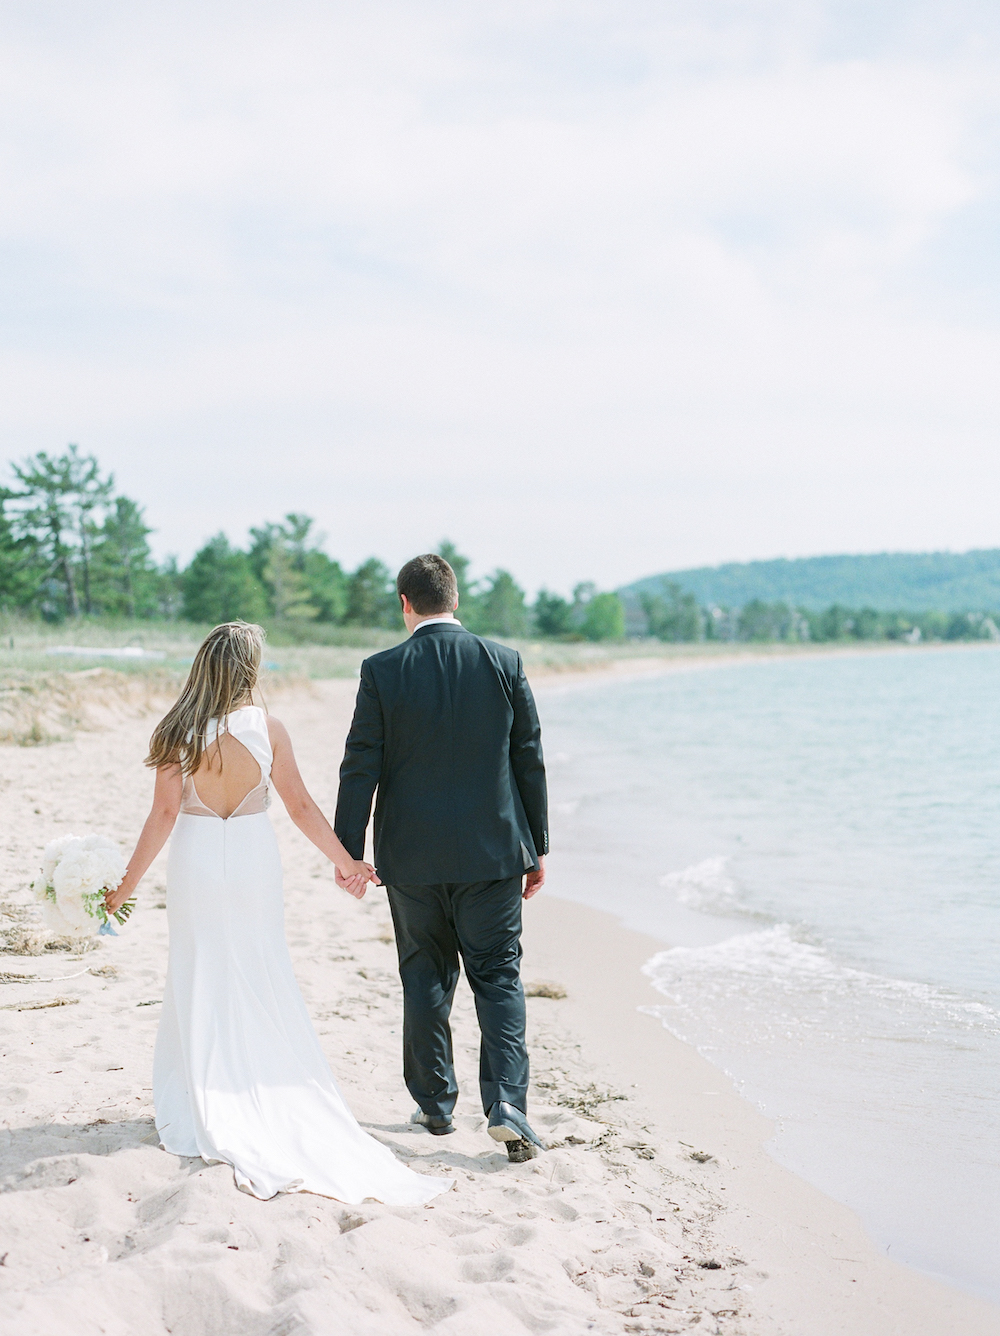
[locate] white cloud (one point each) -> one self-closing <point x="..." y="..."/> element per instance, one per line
<point x="595" y="289"/>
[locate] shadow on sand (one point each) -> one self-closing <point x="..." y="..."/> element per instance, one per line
<point x="21" y="1148"/>
<point x="430" y="1150"/>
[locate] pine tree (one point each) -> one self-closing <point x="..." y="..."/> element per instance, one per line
<point x="220" y="585"/>
<point x="671" y="614"/>
<point x="302" y="582"/>
<point x="287" y="587"/>
<point x="48" y="516"/>
<point x="604" y="618"/>
<point x="460" y="565"/>
<point x="371" y="596"/>
<point x="553" y="615"/>
<point x="125" y="580"/>
<point x="21" y="567"/>
<point x="499" y="610"/>
<point x="327" y="586"/>
<point x="91" y="493"/>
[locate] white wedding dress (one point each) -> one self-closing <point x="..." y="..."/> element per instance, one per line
<point x="238" y="1074"/>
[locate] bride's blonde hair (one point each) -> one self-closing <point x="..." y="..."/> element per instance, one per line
<point x="223" y="675"/>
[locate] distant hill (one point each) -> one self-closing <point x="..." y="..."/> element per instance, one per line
<point x="886" y="581"/>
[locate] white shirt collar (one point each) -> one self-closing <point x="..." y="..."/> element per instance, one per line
<point x="433" y="621"/>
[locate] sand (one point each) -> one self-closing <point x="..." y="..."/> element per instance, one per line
<point x="615" y="1229"/>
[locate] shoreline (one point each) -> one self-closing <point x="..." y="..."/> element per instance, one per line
<point x="548" y="677"/>
<point x="818" y="1270"/>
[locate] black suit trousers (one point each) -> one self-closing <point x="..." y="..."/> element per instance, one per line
<point x="481" y="922"/>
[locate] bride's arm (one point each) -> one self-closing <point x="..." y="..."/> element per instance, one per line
<point x="307" y="816"/>
<point x="159" y="824"/>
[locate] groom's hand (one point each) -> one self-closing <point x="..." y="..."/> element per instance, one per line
<point x="534" y="881"/>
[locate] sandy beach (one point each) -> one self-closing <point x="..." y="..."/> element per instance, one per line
<point x="656" y="1208"/>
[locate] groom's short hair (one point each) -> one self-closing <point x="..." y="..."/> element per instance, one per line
<point x="429" y="583"/>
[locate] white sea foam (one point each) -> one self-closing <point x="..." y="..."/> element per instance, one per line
<point x="771" y="983"/>
<point x="867" y="1078"/>
<point x="707" y="887"/>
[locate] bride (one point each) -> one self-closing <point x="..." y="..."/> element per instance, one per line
<point x="238" y="1073"/>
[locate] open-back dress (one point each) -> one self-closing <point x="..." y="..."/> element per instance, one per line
<point x="238" y="1074"/>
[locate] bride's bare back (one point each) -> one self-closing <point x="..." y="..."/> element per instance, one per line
<point x="227" y="775"/>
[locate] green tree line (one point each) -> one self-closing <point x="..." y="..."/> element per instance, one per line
<point x="71" y="546"/>
<point x="671" y="614"/>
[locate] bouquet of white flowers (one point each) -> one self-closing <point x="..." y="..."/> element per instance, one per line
<point x="76" y="872"/>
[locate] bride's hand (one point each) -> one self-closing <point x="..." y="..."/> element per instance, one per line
<point x="113" y="900"/>
<point x="355" y="877"/>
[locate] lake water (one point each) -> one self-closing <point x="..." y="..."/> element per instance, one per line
<point x="816" y="841"/>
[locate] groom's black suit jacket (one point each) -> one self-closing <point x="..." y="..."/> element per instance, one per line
<point x="445" y="727"/>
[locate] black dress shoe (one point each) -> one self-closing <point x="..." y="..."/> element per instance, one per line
<point x="509" y="1125"/>
<point x="436" y="1124"/>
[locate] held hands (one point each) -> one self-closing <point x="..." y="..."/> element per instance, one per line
<point x="534" y="881"/>
<point x="355" y="876"/>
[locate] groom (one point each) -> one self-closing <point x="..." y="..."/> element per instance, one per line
<point x="445" y="728"/>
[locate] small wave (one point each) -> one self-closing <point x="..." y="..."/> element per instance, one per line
<point x="708" y="887"/>
<point x="795" y="983"/>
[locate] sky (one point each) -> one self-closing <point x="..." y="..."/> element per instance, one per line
<point x="593" y="289"/>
